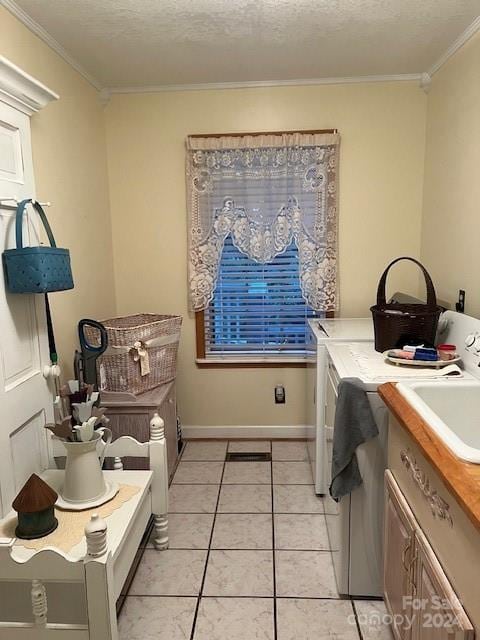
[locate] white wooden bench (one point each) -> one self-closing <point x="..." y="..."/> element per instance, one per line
<point x="96" y="567"/>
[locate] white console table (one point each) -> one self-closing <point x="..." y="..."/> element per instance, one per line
<point x="97" y="565"/>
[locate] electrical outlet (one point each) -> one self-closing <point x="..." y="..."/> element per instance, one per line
<point x="279" y="394"/>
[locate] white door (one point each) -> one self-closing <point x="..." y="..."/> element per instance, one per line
<point x="25" y="398"/>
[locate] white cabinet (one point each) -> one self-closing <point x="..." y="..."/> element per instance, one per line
<point x="418" y="594"/>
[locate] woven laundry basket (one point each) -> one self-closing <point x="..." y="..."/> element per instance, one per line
<point x="398" y="324"/>
<point x="141" y="353"/>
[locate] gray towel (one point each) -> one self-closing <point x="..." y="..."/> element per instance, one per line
<point x="354" y="424"/>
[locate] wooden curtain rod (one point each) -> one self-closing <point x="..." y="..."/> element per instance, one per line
<point x="260" y="133"/>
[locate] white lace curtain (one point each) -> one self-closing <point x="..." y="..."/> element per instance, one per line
<point x="265" y="191"/>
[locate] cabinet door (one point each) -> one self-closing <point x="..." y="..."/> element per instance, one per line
<point x="399" y="541"/>
<point x="439" y="614"/>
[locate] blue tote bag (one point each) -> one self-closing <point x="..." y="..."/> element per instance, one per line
<point x="36" y="269"/>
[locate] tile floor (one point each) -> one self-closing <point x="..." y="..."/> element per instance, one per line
<point x="248" y="559"/>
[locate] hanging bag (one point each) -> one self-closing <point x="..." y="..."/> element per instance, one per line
<point x="398" y="324"/>
<point x="36" y="269"/>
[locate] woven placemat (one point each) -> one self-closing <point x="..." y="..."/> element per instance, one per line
<point x="71" y="524"/>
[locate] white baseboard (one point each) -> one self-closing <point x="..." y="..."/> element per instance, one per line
<point x="250" y="432"/>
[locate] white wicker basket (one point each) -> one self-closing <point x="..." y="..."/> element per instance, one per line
<point x="141" y="353"/>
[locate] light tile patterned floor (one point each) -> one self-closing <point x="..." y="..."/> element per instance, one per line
<point x="249" y="556"/>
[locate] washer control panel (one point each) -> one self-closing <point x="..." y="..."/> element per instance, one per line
<point x="472" y="342"/>
<point x="464" y="332"/>
<point x="471" y="351"/>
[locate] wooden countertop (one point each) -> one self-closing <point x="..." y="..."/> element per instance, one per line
<point x="462" y="479"/>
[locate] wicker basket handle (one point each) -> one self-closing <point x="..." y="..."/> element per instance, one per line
<point x="431" y="297"/>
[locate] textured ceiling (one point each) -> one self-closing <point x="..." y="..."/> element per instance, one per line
<point x="162" y="42"/>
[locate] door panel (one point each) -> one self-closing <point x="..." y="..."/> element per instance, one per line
<point x="398" y="557"/>
<point x="441" y="616"/>
<point x="28" y="437"/>
<point x="25" y="399"/>
<point x="367" y="508"/>
<point x="11" y="160"/>
<point x="337" y="515"/>
<point x="21" y="353"/>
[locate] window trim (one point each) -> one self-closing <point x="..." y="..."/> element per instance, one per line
<point x="246" y="362"/>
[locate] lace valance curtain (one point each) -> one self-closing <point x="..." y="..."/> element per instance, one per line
<point x="265" y="191"/>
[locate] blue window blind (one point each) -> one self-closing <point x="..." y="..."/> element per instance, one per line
<point x="258" y="309"/>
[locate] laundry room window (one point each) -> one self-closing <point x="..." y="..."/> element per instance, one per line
<point x="257" y="309"/>
<point x="262" y="243"/>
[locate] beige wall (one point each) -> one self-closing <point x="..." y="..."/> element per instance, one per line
<point x="69" y="155"/>
<point x="381" y="172"/>
<point x="382" y="128"/>
<point x="451" y="215"/>
<point x="381" y="178"/>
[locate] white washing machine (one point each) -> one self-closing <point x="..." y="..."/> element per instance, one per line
<point x="321" y="333"/>
<point x="355" y="524"/>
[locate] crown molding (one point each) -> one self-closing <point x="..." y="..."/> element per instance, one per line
<point x="212" y="86"/>
<point x="104" y="97"/>
<point x="422" y="78"/>
<point x="39" y="31"/>
<point x="22" y="91"/>
<point x="425" y="82"/>
<point x="469" y="32"/>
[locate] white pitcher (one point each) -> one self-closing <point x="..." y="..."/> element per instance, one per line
<point x="84" y="480"/>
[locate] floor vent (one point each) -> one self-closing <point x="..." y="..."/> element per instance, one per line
<point x="248" y="457"/>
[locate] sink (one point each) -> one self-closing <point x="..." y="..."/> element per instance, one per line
<point x="452" y="410"/>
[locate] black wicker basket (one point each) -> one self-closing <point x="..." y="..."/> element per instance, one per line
<point x="397" y="324"/>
